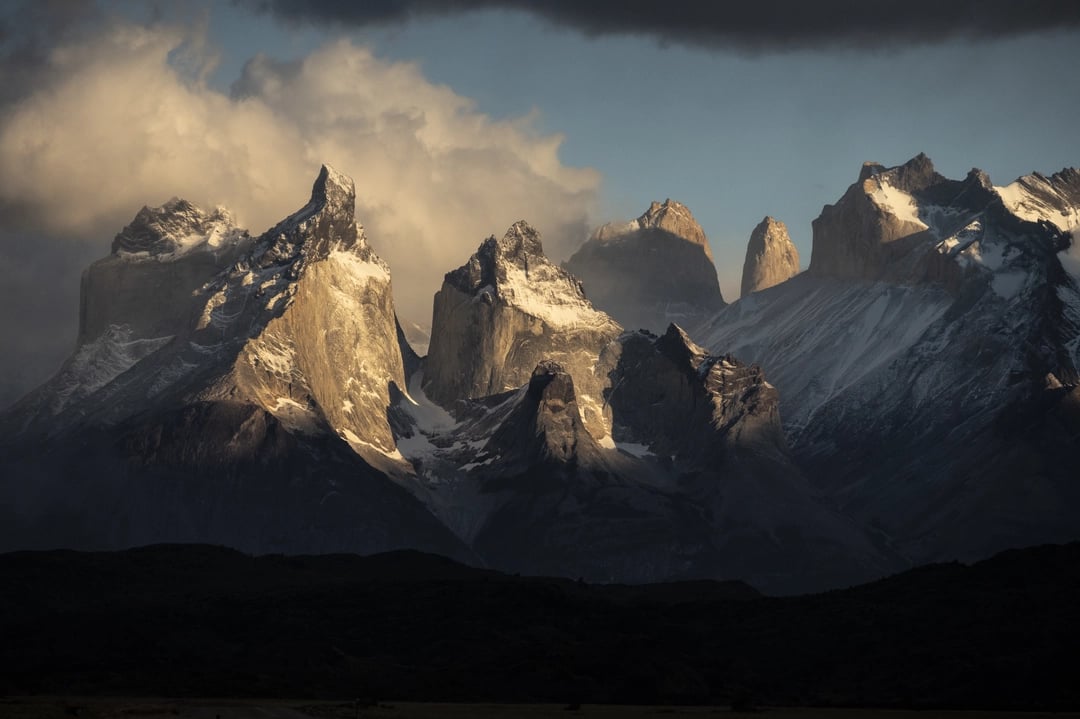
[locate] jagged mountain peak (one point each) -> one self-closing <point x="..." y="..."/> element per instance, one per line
<point x="334" y="187"/>
<point x="175" y="228"/>
<point x="546" y="425"/>
<point x="768" y="228"/>
<point x="519" y="247"/>
<point x="912" y="176"/>
<point x="979" y="177"/>
<point x="516" y="270"/>
<point x="558" y="424"/>
<point x="668" y="216"/>
<point x="520" y="243"/>
<point x="334" y="195"/>
<point x="503" y="311"/>
<point x="921" y="165"/>
<point x="676" y="345"/>
<point x="545" y="370"/>
<point x="887" y="224"/>
<point x="869" y="169"/>
<point x="245" y="323"/>
<point x="680" y="399"/>
<point x="675" y="217"/>
<point x="1037" y="197"/>
<point x="326" y="223"/>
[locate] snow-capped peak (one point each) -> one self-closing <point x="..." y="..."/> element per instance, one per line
<point x="326" y="223"/>
<point x="520" y="244"/>
<point x="515" y="270"/>
<point x="174" y="229"/>
<point x="1055" y="199"/>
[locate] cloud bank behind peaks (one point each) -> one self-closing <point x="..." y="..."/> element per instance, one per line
<point x="749" y="25"/>
<point x="118" y="126"/>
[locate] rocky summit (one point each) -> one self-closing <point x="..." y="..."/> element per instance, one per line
<point x="504" y="311"/>
<point x="913" y="397"/>
<point x="573" y="433"/>
<point x="771" y="257"/>
<point x="250" y="414"/>
<point x="927" y="360"/>
<point x="651" y="271"/>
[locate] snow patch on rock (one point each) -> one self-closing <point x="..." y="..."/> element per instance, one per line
<point x="1025" y="204"/>
<point x="99" y="362"/>
<point x="897" y="202"/>
<point x="553" y="302"/>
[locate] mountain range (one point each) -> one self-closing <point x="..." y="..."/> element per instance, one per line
<point x="911" y="397"/>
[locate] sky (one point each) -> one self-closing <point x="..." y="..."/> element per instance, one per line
<point x="456" y="119"/>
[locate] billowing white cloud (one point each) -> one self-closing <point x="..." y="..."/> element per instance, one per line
<point x="121" y="125"/>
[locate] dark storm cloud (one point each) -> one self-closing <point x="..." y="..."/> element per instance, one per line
<point x="39" y="297"/>
<point x="28" y="32"/>
<point x="755" y="25"/>
<point x="40" y="293"/>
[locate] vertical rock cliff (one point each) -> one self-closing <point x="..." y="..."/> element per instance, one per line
<point x="227" y="390"/>
<point x="926" y="361"/>
<point x="771" y="257"/>
<point x="504" y="311"/>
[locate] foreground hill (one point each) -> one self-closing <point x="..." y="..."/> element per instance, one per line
<point x="196" y="620"/>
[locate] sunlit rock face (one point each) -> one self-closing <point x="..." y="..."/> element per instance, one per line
<point x="329" y="354"/>
<point x="651" y="271"/>
<point x="147" y="283"/>
<point x="504" y="311"/>
<point x="226" y="389"/>
<point x="258" y="392"/>
<point x="874" y="222"/>
<point x="771" y="257"/>
<point x="914" y="397"/>
<point x="926" y="361"/>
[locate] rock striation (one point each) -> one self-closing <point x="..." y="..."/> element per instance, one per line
<point x="327" y="352"/>
<point x="1037" y="197"/>
<point x="173" y="249"/>
<point x="771" y="257"/>
<point x="651" y="271"/>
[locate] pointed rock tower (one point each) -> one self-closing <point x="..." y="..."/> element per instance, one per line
<point x="502" y="313"/>
<point x="771" y="257"/>
<point x="226" y="389"/>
